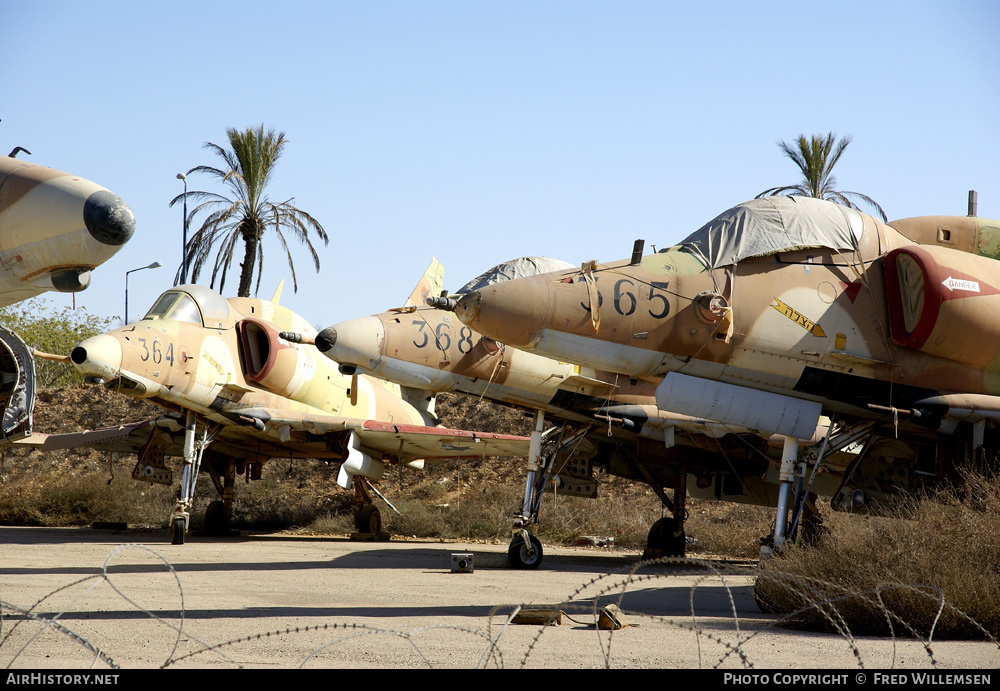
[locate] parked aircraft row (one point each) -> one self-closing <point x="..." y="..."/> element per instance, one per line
<point x="869" y="349"/>
<point x="789" y="348"/>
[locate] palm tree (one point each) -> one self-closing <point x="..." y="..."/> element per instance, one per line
<point x="248" y="213"/>
<point x="816" y="159"/>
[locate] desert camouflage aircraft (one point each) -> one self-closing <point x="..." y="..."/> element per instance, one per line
<point x="54" y="229"/>
<point x="242" y="390"/>
<point x="608" y="419"/>
<point x="785" y="309"/>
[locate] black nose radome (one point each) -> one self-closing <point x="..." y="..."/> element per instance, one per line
<point x="108" y="218"/>
<point x="79" y="355"/>
<point x="326" y="339"/>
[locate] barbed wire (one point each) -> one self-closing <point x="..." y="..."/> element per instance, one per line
<point x="805" y="601"/>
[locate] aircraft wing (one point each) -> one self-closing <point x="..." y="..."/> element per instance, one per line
<point x="437" y="443"/>
<point x="303" y="435"/>
<point x="130" y="437"/>
<point x="404" y="442"/>
<point x="366" y="445"/>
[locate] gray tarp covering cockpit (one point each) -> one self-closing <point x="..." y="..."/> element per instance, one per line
<point x="515" y="268"/>
<point x="774" y="224"/>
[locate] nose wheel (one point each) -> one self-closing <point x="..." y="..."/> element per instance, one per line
<point x="178" y="525"/>
<point x="525" y="551"/>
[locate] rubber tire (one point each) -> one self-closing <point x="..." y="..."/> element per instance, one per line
<point x="518" y="556"/>
<point x="369" y="520"/>
<point x="661" y="538"/>
<point x="216" y="522"/>
<point x="177" y="530"/>
<point x="762" y="602"/>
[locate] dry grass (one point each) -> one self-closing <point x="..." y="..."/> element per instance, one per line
<point x="78" y="486"/>
<point x="80" y="498"/>
<point x="730" y="529"/>
<point x="945" y="545"/>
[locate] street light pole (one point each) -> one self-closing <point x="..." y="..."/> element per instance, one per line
<point x="154" y="265"/>
<point x="184" y="264"/>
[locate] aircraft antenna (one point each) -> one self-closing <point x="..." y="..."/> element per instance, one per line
<point x="973" y="202"/>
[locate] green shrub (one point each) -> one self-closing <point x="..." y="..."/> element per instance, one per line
<point x="52" y="331"/>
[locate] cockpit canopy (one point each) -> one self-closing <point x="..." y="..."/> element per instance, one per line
<point x="193" y="304"/>
<point x="774" y="224"/>
<point x="515" y="268"/>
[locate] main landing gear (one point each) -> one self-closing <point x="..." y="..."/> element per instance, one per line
<point x="218" y="515"/>
<point x="666" y="536"/>
<point x="796" y="515"/>
<point x="367" y="517"/>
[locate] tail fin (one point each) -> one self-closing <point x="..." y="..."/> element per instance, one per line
<point x="430" y="285"/>
<point x="277" y="293"/>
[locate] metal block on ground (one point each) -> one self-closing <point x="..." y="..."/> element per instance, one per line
<point x="462" y="562"/>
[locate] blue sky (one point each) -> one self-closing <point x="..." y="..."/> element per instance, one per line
<point x="483" y="131"/>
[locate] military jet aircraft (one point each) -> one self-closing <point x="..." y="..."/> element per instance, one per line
<point x="784" y="309"/>
<point x="241" y="389"/>
<point x="607" y="419"/>
<point x="54" y="229"/>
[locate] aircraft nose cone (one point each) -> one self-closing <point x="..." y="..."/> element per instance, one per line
<point x="326" y="339"/>
<point x="467" y="308"/>
<point x="98" y="356"/>
<point x="355" y="342"/>
<point x="109" y="219"/>
<point x="512" y="312"/>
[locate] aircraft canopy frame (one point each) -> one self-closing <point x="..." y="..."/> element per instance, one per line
<point x="213" y="307"/>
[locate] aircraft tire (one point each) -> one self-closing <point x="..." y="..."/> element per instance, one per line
<point x="518" y="554"/>
<point x="369" y="520"/>
<point x="215" y="519"/>
<point x="661" y="541"/>
<point x="761" y="600"/>
<point x="177" y="528"/>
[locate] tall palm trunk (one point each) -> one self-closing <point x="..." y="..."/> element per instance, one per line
<point x="250" y="241"/>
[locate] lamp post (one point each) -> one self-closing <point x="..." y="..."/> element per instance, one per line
<point x="184" y="264"/>
<point x="154" y="265"/>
